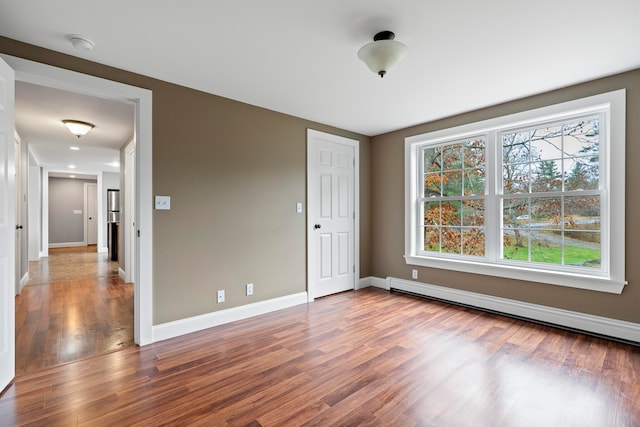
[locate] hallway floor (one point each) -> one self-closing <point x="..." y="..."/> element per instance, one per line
<point x="74" y="306"/>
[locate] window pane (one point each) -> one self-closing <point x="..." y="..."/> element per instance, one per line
<point x="515" y="147"/>
<point x="432" y="213"/>
<point x="474" y="182"/>
<point x="546" y="176"/>
<point x="515" y="178"/>
<point x="546" y="247"/>
<point x="516" y="244"/>
<point x="432" y="239"/>
<point x="473" y="213"/>
<point x="432" y="159"/>
<point x="432" y="184"/>
<point x="450" y="212"/>
<point x="582" y="248"/>
<point x="546" y="143"/>
<point x="546" y="212"/>
<point x="474" y="153"/>
<point x="452" y="156"/>
<point x="451" y="239"/>
<point x="582" y="173"/>
<point x="582" y="138"/>
<point x="473" y="241"/>
<point x="452" y="183"/>
<point x="515" y="213"/>
<point x="582" y="210"/>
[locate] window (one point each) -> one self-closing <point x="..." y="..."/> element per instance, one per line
<point x="537" y="195"/>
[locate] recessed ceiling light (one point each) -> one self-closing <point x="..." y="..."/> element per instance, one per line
<point x="72" y="176"/>
<point x="114" y="164"/>
<point x="74" y="148"/>
<point x="72" y="166"/>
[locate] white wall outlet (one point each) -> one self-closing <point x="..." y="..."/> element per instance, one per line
<point x="299" y="207"/>
<point x="163" y="203"/>
<point x="220" y="297"/>
<point x="249" y="289"/>
<point x="414" y="274"/>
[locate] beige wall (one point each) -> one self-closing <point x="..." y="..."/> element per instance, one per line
<point x="234" y="173"/>
<point x="387" y="205"/>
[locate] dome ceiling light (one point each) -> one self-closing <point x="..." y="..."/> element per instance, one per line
<point x="383" y="53"/>
<point x="77" y="127"/>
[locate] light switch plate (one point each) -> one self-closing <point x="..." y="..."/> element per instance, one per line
<point x="163" y="203"/>
<point x="299" y="207"/>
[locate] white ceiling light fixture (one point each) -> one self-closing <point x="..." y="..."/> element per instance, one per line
<point x="77" y="127"/>
<point x="81" y="43"/>
<point x="383" y="53"/>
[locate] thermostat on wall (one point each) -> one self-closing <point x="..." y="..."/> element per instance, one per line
<point x="163" y="203"/>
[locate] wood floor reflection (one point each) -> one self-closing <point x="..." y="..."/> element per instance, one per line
<point x="363" y="358"/>
<point x="74" y="306"/>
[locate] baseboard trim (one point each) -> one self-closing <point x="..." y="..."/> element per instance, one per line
<point x="103" y="249"/>
<point x="614" y="328"/>
<point x="121" y="273"/>
<point x="23" y="281"/>
<point x="66" y="245"/>
<point x="197" y="323"/>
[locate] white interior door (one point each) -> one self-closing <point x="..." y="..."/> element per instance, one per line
<point x="331" y="213"/>
<point x="7" y="226"/>
<point x="91" y="196"/>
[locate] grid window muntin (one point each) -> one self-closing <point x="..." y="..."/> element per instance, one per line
<point x="609" y="190"/>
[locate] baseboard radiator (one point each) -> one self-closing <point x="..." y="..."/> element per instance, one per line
<point x="603" y="327"/>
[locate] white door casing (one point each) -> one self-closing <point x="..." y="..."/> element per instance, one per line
<point x="46" y="75"/>
<point x="91" y="213"/>
<point x="129" y="211"/>
<point x="332" y="212"/>
<point x="7" y="226"/>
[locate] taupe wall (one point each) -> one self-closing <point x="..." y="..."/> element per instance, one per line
<point x="234" y="173"/>
<point x="65" y="196"/>
<point x="387" y="205"/>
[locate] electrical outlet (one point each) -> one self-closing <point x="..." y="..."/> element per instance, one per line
<point x="220" y="297"/>
<point x="414" y="274"/>
<point x="249" y="289"/>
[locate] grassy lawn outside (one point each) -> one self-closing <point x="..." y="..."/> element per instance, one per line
<point x="573" y="255"/>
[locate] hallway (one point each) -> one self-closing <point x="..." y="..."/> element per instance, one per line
<point x="74" y="306"/>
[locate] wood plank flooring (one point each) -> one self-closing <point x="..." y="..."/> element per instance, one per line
<point x="74" y="306"/>
<point x="358" y="358"/>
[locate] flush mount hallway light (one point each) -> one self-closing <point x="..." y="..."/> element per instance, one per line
<point x="383" y="53"/>
<point x="77" y="127"/>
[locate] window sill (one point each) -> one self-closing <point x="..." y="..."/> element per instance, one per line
<point x="593" y="283"/>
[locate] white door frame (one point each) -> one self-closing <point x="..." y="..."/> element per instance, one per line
<point x="129" y="211"/>
<point x="311" y="133"/>
<point x="46" y="75"/>
<point x="7" y="227"/>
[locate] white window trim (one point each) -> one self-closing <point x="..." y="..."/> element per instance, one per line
<point x="614" y="279"/>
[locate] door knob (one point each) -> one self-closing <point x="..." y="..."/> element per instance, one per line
<point x="18" y="227"/>
<point x="317" y="226"/>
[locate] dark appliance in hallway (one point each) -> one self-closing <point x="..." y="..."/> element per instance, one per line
<point x="113" y="223"/>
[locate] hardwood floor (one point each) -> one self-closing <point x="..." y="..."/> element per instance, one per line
<point x="74" y="306"/>
<point x="357" y="358"/>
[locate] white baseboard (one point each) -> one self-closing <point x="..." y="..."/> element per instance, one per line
<point x="372" y="281"/>
<point x="23" y="281"/>
<point x="66" y="245"/>
<point x="197" y="323"/>
<point x="121" y="273"/>
<point x="585" y="322"/>
<point x="103" y="249"/>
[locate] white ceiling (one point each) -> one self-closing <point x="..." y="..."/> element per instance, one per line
<point x="39" y="114"/>
<point x="300" y="57"/>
